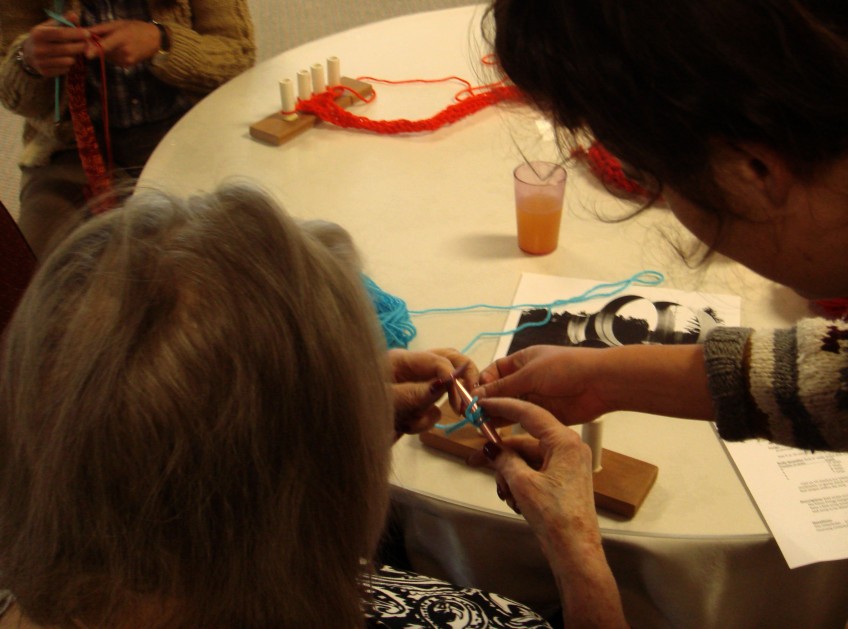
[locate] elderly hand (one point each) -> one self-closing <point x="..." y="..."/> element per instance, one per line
<point x="420" y="379"/>
<point x="547" y="477"/>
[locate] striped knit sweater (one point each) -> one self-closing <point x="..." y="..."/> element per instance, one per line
<point x="788" y="386"/>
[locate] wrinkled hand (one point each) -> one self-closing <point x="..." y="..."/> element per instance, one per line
<point x="559" y="379"/>
<point x="420" y="379"/>
<point x="550" y="482"/>
<point x="547" y="476"/>
<point x="126" y="42"/>
<point x="51" y="49"/>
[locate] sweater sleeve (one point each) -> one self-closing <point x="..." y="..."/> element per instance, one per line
<point x="21" y="93"/>
<point x="789" y="386"/>
<point x="217" y="45"/>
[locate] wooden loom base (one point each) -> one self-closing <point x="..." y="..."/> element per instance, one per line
<point x="275" y="129"/>
<point x="620" y="486"/>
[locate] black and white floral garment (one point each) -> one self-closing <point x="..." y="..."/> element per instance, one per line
<point x="404" y="600"/>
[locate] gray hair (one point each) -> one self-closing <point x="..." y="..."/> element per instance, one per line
<point x="193" y="414"/>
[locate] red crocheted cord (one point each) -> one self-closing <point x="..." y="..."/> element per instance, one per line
<point x="96" y="172"/>
<point x="470" y="100"/>
<point x="607" y="168"/>
<point x="325" y="107"/>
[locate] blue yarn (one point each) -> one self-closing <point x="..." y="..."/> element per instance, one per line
<point x="475" y="418"/>
<point x="392" y="313"/>
<point x="399" y="330"/>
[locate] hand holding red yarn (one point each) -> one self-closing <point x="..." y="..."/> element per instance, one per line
<point x="126" y="43"/>
<point x="469" y="100"/>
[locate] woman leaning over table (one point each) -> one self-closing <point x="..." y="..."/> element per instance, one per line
<point x="196" y="416"/>
<point x="161" y="56"/>
<point x="736" y="113"/>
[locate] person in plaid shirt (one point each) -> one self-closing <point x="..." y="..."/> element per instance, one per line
<point x="161" y="57"/>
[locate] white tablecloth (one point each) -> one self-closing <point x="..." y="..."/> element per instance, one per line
<point x="433" y="216"/>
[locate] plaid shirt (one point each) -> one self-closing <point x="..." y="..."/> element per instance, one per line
<point x="135" y="96"/>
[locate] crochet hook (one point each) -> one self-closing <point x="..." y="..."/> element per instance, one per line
<point x="471" y="407"/>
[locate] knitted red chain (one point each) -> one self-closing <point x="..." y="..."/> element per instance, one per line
<point x="607" y="168"/>
<point x="324" y="106"/>
<point x="99" y="177"/>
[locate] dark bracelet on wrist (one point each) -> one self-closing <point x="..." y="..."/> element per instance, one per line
<point x="165" y="37"/>
<point x="19" y="57"/>
<point x="161" y="56"/>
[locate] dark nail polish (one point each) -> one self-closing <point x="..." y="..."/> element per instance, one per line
<point x="491" y="450"/>
<point x="438" y="386"/>
<point x="501" y="493"/>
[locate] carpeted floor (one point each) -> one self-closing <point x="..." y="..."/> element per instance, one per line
<point x="280" y="25"/>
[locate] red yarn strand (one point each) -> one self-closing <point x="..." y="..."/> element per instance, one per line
<point x="98" y="175"/>
<point x="469" y="100"/>
<point x="325" y="107"/>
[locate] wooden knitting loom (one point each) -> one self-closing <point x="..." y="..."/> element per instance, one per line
<point x="620" y="485"/>
<point x="285" y="124"/>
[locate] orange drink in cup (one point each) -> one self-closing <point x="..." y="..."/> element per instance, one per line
<point x="539" y="191"/>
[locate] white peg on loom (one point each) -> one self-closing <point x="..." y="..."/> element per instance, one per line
<point x="287" y="99"/>
<point x="591" y="433"/>
<point x="334" y="71"/>
<point x="304" y="85"/>
<point x="319" y="82"/>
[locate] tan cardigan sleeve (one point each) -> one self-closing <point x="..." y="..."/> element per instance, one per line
<point x="211" y="42"/>
<point x="21" y="93"/>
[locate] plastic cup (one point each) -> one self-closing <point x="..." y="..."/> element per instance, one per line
<point x="539" y="192"/>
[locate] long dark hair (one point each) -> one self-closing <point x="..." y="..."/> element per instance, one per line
<point x="658" y="82"/>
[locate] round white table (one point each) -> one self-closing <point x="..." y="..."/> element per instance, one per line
<point x="433" y="215"/>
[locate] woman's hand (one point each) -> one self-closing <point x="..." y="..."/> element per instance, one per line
<point x="580" y="384"/>
<point x="547" y="477"/>
<point x="420" y="379"/>
<point x="559" y="379"/>
<point x="126" y="43"/>
<point x="51" y="49"/>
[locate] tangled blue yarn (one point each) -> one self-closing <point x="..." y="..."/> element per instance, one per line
<point x="393" y="315"/>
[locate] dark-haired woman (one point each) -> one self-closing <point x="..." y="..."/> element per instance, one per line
<point x="736" y="113"/>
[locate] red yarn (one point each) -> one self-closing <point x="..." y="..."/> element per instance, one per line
<point x="325" y="107"/>
<point x="836" y="308"/>
<point x="607" y="168"/>
<point x="98" y="175"/>
<point x="469" y="100"/>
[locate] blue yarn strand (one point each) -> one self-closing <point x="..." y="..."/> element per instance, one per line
<point x="475" y="418"/>
<point x="396" y="322"/>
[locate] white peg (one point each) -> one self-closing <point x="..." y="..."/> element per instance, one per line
<point x="592" y="433"/>
<point x="304" y="85"/>
<point x="319" y="82"/>
<point x="287" y="99"/>
<point x="334" y="71"/>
